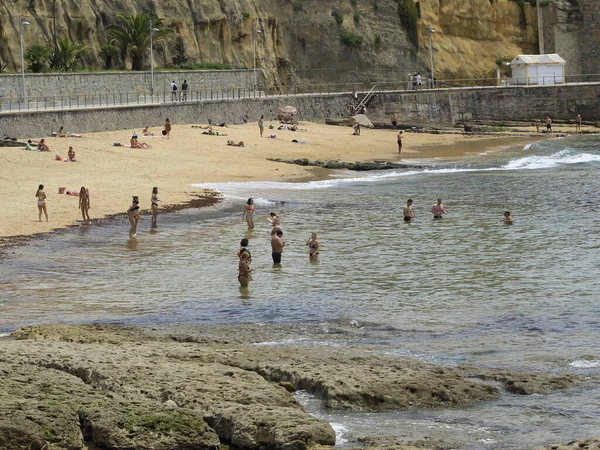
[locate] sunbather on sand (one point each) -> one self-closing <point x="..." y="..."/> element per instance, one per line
<point x="234" y="144"/>
<point x="62" y="133"/>
<point x="43" y="147"/>
<point x="137" y="144"/>
<point x="30" y="146"/>
<point x="146" y="132"/>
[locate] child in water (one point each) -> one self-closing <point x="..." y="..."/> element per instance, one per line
<point x="507" y="219"/>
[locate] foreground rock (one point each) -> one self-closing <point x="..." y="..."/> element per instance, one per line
<point x="580" y="444"/>
<point x="121" y="389"/>
<point x="358" y="165"/>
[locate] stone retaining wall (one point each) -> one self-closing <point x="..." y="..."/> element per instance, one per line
<point x="443" y="107"/>
<point x="94" y="83"/>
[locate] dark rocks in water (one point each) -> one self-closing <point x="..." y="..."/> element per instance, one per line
<point x="358" y="165"/>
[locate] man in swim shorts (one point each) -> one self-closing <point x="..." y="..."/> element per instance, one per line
<point x="548" y="124"/>
<point x="438" y="209"/>
<point x="277" y="245"/>
<point x="409" y="215"/>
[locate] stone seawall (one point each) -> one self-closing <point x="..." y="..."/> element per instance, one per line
<point x="440" y="108"/>
<point x="57" y="84"/>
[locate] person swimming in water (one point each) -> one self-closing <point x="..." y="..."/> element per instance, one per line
<point x="507" y="219"/>
<point x="313" y="246"/>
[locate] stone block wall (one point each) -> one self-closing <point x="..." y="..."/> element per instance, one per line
<point x="94" y="83"/>
<point x="443" y="107"/>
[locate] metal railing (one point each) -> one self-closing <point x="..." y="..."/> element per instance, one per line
<point x="78" y="100"/>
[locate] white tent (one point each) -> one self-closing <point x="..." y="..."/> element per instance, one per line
<point x="538" y="69"/>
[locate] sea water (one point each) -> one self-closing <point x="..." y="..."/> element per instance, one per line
<point x="465" y="289"/>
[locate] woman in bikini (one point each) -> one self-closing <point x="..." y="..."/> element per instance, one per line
<point x="43" y="147"/>
<point x="41" y="202"/>
<point x="84" y="204"/>
<point x="249" y="213"/>
<point x="244" y="270"/>
<point x="274" y="223"/>
<point x="154" y="202"/>
<point x="134" y="215"/>
<point x="313" y="246"/>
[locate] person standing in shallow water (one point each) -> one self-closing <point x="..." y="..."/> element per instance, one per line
<point x="134" y="215"/>
<point x="244" y="270"/>
<point x="409" y="215"/>
<point x="313" y="246"/>
<point x="41" y="202"/>
<point x="507" y="219"/>
<point x="249" y="213"/>
<point x="277" y="245"/>
<point x="438" y="209"/>
<point x="84" y="204"/>
<point x="154" y="205"/>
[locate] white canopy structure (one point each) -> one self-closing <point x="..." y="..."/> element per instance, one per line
<point x="538" y="69"/>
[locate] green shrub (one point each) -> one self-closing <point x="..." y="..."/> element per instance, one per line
<point x="351" y="39"/>
<point x="376" y="5"/>
<point x="377" y="41"/>
<point x="339" y="17"/>
<point x="408" y="14"/>
<point x="246" y="14"/>
<point x="356" y="17"/>
<point x="354" y="2"/>
<point x="37" y="57"/>
<point x="205" y="66"/>
<point x="298" y="5"/>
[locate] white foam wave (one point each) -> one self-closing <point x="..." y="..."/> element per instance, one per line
<point x="4" y="335"/>
<point x="528" y="146"/>
<point x="584" y="364"/>
<point x="232" y="189"/>
<point x="549" y="161"/>
<point x="340" y="432"/>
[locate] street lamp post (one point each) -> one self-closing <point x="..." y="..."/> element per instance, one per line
<point x="254" y="32"/>
<point x="431" y="31"/>
<point x="22" y="24"/>
<point x="152" y="30"/>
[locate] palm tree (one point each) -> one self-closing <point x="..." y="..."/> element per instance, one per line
<point x="65" y="54"/>
<point x="132" y="35"/>
<point x="37" y="56"/>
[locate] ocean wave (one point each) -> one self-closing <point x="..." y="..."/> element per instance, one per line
<point x="546" y="162"/>
<point x="340" y="432"/>
<point x="4" y="335"/>
<point x="584" y="364"/>
<point x="533" y="162"/>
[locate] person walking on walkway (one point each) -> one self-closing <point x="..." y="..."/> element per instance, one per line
<point x="173" y="91"/>
<point x="184" y="89"/>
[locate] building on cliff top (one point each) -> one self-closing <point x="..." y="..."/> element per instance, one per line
<point x="538" y="69"/>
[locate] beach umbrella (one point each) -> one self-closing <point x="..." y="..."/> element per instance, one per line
<point x="362" y="120"/>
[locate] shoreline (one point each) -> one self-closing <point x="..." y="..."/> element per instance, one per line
<point x="110" y="180"/>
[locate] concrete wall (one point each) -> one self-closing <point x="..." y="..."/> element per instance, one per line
<point x="132" y="82"/>
<point x="443" y="107"/>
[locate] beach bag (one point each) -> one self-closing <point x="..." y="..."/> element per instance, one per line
<point x="164" y="132"/>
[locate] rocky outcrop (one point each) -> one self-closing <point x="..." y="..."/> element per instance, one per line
<point x="301" y="40"/>
<point x="358" y="165"/>
<point x="580" y="444"/>
<point x="120" y="388"/>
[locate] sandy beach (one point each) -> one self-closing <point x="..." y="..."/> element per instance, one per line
<point x="113" y="174"/>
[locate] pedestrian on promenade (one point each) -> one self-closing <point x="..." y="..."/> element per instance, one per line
<point x="184" y="89"/>
<point x="173" y="91"/>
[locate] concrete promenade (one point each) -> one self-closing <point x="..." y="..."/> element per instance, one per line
<point x="427" y="107"/>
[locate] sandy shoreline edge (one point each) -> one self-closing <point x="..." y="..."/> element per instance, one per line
<point x="114" y="174"/>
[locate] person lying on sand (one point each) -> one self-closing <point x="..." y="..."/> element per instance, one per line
<point x="234" y="144"/>
<point x="212" y="132"/>
<point x="30" y="146"/>
<point x="70" y="154"/>
<point x="43" y="147"/>
<point x="62" y="134"/>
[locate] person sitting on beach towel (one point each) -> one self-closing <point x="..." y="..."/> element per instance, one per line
<point x="137" y="144"/>
<point x="146" y="132"/>
<point x="234" y="144"/>
<point x="42" y="146"/>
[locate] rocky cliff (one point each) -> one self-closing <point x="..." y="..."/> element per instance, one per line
<point x="329" y="40"/>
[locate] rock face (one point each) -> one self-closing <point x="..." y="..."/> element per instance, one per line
<point x="300" y="40"/>
<point x="121" y="389"/>
<point x="585" y="444"/>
